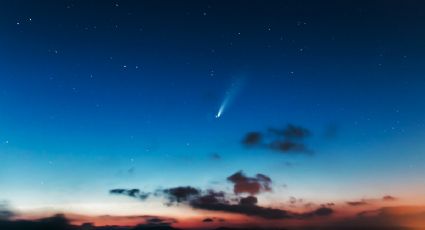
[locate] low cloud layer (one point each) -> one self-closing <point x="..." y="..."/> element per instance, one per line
<point x="387" y="217"/>
<point x="60" y="222"/>
<point x="213" y="219"/>
<point x="389" y="198"/>
<point x="357" y="203"/>
<point x="220" y="201"/>
<point x="364" y="202"/>
<point x="57" y="222"/>
<point x="5" y="212"/>
<point x="237" y="202"/>
<point x="155" y="221"/>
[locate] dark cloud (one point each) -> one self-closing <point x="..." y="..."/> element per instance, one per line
<point x="294" y="200"/>
<point x="212" y="197"/>
<point x="371" y="201"/>
<point x="319" y="212"/>
<point x="323" y="211"/>
<point x="288" y="146"/>
<point x="207" y="220"/>
<point x="219" y="201"/>
<point x="216" y="201"/>
<point x="139" y="227"/>
<point x="159" y="221"/>
<point x="291" y="132"/>
<point x="249" y="210"/>
<point x="233" y="203"/>
<point x="389" y="198"/>
<point x="135" y="193"/>
<point x="252" y="138"/>
<point x="5" y="211"/>
<point x="180" y="194"/>
<point x="57" y="222"/>
<point x="251" y="185"/>
<point x="247" y="206"/>
<point x="60" y="222"/>
<point x="357" y="203"/>
<point x="288" y="139"/>
<point x="213" y="219"/>
<point x="250" y="200"/>
<point x="6" y="214"/>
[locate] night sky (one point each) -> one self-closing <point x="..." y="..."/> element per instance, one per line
<point x="199" y="114"/>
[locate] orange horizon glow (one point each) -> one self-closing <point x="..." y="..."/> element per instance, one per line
<point x="401" y="213"/>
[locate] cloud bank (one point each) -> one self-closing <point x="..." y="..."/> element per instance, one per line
<point x="237" y="202"/>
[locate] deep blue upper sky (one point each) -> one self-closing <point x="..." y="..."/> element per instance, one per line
<point x="131" y="87"/>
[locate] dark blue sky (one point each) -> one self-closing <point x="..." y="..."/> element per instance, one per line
<point x="125" y="93"/>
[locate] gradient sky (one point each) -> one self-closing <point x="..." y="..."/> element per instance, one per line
<point x="98" y="95"/>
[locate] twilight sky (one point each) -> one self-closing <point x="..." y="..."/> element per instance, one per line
<point x="322" y="111"/>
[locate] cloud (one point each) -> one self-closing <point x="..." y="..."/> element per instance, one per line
<point x="218" y="201"/>
<point x="179" y="194"/>
<point x="158" y="221"/>
<point x="5" y="212"/>
<point x="213" y="200"/>
<point x="394" y="217"/>
<point x="291" y="132"/>
<point x="57" y="222"/>
<point x="287" y="146"/>
<point x="250" y="200"/>
<point x="135" y="193"/>
<point x="322" y="211"/>
<point x="245" y="209"/>
<point x="250" y="185"/>
<point x="252" y="138"/>
<point x="371" y="201"/>
<point x="131" y="221"/>
<point x="60" y="222"/>
<point x="208" y="220"/>
<point x="247" y="206"/>
<point x="357" y="203"/>
<point x="213" y="219"/>
<point x="389" y="198"/>
<point x="293" y="200"/>
<point x="288" y="139"/>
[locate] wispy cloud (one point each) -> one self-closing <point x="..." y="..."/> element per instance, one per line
<point x="134" y="193"/>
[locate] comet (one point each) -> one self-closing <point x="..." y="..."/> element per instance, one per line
<point x="222" y="107"/>
<point x="230" y="95"/>
<point x="218" y="115"/>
